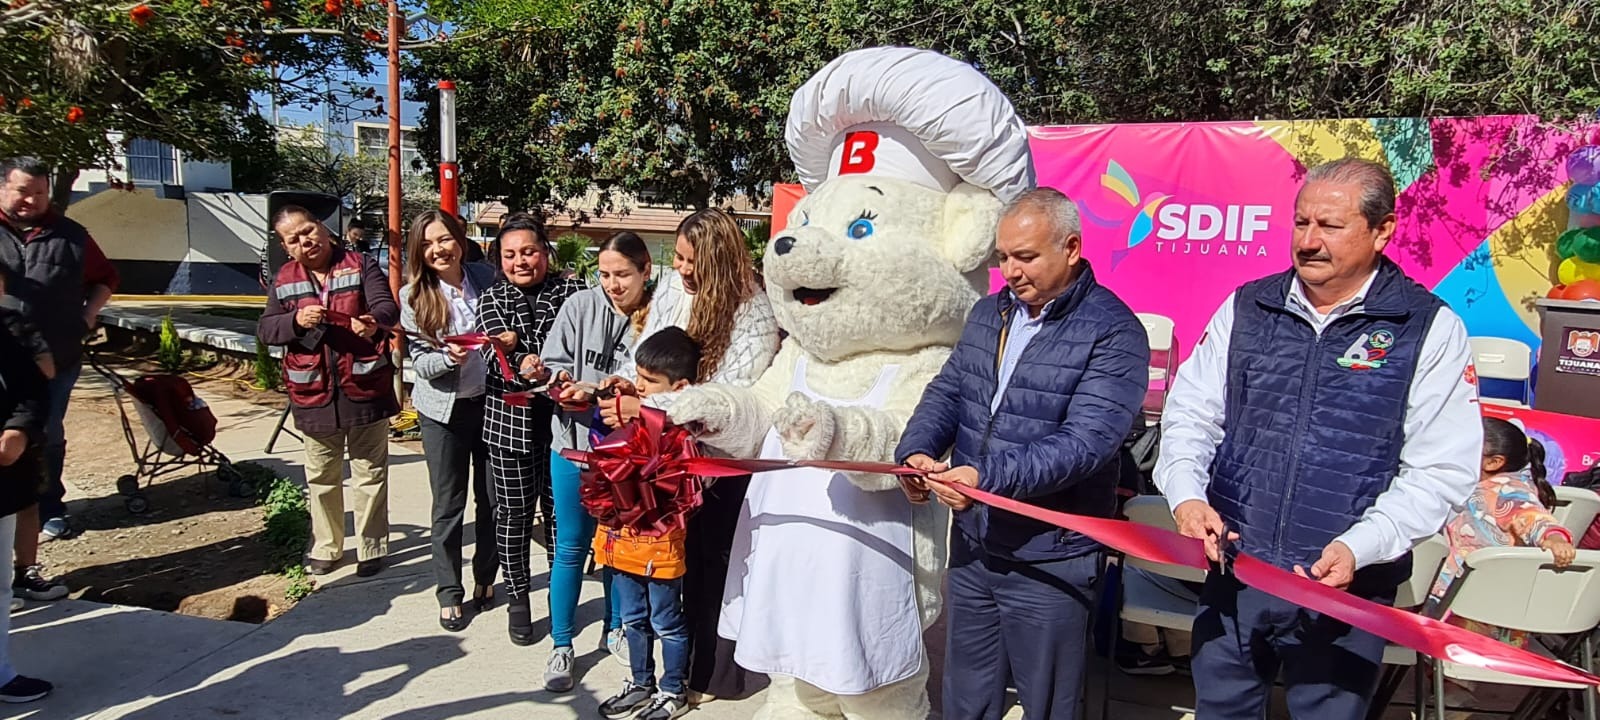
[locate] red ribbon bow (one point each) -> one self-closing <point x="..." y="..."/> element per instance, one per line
<point x="652" y="446"/>
<point x="636" y="478"/>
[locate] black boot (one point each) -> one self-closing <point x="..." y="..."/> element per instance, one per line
<point x="520" y="617"/>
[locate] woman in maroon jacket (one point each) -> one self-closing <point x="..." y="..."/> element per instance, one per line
<point x="327" y="309"/>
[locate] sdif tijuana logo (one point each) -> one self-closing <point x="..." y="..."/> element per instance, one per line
<point x="1165" y="224"/>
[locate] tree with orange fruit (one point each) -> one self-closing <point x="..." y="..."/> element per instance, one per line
<point x="77" y="75"/>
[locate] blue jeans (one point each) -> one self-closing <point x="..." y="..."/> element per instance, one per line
<point x="52" y="502"/>
<point x="574" y="536"/>
<point x="654" y="609"/>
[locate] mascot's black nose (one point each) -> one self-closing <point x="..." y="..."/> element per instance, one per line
<point x="783" y="245"/>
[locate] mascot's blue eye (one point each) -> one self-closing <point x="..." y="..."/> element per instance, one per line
<point x="805" y="220"/>
<point x="859" y="229"/>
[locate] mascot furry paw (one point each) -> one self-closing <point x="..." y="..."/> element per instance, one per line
<point x="908" y="156"/>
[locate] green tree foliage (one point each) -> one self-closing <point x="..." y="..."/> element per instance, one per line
<point x="575" y="254"/>
<point x="686" y="98"/>
<point x="78" y="76"/>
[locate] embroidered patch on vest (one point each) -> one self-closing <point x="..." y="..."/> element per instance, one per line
<point x="1368" y="351"/>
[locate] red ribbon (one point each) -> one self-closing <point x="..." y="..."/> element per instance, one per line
<point x="642" y="447"/>
<point x="635" y="477"/>
<point x="475" y="340"/>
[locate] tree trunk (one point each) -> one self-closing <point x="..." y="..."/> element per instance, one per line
<point x="61" y="188"/>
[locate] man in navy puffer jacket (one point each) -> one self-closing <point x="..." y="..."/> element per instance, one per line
<point x="1033" y="404"/>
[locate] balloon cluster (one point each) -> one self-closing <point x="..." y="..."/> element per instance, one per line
<point x="1579" y="246"/>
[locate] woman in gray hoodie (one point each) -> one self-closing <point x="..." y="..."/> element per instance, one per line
<point x="592" y="339"/>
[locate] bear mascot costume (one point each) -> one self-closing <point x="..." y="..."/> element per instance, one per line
<point x="908" y="157"/>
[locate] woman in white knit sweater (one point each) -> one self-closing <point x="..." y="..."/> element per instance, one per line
<point x="715" y="297"/>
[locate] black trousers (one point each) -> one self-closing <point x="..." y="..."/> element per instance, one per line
<point x="711" y="530"/>
<point x="452" y="450"/>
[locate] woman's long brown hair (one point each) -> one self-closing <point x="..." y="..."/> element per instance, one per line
<point x="427" y="302"/>
<point x="724" y="277"/>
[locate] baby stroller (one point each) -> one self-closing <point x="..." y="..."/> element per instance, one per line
<point x="179" y="428"/>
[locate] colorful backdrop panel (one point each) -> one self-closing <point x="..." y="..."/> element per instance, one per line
<point x="1176" y="216"/>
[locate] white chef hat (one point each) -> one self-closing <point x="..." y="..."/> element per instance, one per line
<point x="912" y="114"/>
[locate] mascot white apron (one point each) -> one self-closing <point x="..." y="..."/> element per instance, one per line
<point x="822" y="584"/>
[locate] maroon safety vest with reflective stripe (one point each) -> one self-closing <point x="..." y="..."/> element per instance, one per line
<point x="362" y="365"/>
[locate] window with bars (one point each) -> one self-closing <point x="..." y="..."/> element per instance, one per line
<point x="152" y="161"/>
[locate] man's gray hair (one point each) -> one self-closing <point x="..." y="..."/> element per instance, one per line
<point x="1377" y="184"/>
<point x="1054" y="205"/>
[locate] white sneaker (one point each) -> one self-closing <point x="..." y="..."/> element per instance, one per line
<point x="617" y="645"/>
<point x="17" y="603"/>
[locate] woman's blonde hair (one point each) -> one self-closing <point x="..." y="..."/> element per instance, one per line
<point x="724" y="278"/>
<point x="426" y="300"/>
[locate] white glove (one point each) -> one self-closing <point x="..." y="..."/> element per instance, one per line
<point x="701" y="411"/>
<point x="806" y="427"/>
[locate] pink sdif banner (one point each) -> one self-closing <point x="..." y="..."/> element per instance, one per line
<point x="1571" y="442"/>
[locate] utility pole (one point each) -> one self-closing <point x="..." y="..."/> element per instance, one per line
<point x="448" y="171"/>
<point x="397" y="29"/>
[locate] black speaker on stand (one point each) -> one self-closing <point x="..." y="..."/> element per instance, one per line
<point x="325" y="207"/>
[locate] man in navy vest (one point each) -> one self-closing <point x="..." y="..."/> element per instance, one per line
<point x="1326" y="421"/>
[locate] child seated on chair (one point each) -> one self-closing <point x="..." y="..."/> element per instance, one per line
<point x="648" y="579"/>
<point x="1508" y="508"/>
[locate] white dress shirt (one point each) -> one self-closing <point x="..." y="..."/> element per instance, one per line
<point x="464" y="319"/>
<point x="1439" y="461"/>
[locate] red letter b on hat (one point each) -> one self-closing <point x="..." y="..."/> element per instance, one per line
<point x="858" y="152"/>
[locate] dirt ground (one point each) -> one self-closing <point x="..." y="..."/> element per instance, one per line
<point x="197" y="551"/>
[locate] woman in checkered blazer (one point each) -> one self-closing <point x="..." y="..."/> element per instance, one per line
<point x="516" y="313"/>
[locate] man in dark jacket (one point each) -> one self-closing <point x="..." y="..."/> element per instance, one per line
<point x="1033" y="404"/>
<point x="23" y="406"/>
<point x="328" y="309"/>
<point x="54" y="267"/>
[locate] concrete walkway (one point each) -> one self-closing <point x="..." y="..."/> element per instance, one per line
<point x="357" y="648"/>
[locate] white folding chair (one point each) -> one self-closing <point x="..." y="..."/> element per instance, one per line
<point x="1520" y="589"/>
<point x="1163" y="361"/>
<point x="1141" y="600"/>
<point x="1503" y="359"/>
<point x="1576" y="509"/>
<point x="1426" y="559"/>
<point x="1145" y="602"/>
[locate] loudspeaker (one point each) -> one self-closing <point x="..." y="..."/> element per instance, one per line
<point x="325" y="207"/>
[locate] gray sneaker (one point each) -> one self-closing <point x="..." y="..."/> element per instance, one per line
<point x="30" y="582"/>
<point x="617" y="645"/>
<point x="664" y="706"/>
<point x="558" y="670"/>
<point x="628" y="701"/>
